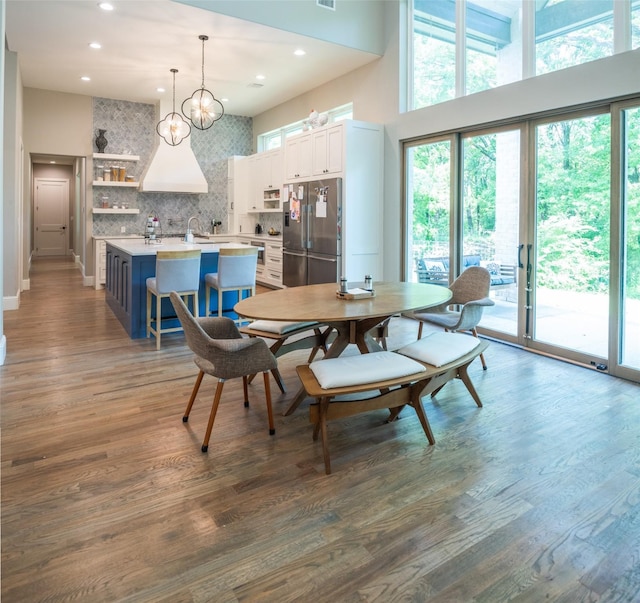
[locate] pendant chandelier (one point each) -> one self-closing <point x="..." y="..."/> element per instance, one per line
<point x="202" y="109"/>
<point x="173" y="129"/>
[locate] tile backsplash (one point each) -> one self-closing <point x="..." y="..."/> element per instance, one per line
<point x="130" y="129"/>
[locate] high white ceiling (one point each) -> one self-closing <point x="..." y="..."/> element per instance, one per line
<point x="143" y="39"/>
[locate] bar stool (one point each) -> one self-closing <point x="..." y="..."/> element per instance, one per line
<point x="175" y="271"/>
<point x="236" y="272"/>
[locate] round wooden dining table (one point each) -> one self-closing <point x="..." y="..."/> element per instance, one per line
<point x="352" y="319"/>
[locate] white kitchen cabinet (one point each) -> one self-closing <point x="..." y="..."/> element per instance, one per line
<point x="320" y="152"/>
<point x="270" y="169"/>
<point x="269" y="271"/>
<point x="100" y="263"/>
<point x="269" y="178"/>
<point x="298" y="157"/>
<point x="236" y="195"/>
<point x="327" y="150"/>
<point x="272" y="273"/>
<point x="241" y="185"/>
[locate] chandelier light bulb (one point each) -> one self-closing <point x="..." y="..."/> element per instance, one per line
<point x="173" y="129"/>
<point x="202" y="109"/>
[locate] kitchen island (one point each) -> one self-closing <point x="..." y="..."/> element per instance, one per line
<point x="130" y="262"/>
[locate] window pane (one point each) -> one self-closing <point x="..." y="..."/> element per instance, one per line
<point x="434" y="53"/>
<point x="635" y="24"/>
<point x="572" y="32"/>
<point x="490" y="215"/>
<point x="429" y="199"/>
<point x="494" y="44"/>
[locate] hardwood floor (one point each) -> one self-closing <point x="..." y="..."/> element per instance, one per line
<point x="107" y="497"/>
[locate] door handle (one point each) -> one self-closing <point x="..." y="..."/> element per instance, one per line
<point x="520" y="247"/>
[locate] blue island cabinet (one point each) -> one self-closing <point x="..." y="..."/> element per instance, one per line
<point x="126" y="289"/>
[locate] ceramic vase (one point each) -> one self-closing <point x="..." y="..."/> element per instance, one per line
<point x="101" y="141"/>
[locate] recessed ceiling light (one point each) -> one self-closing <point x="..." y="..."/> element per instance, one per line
<point x="299" y="52"/>
<point x="95" y="45"/>
<point x="159" y="89"/>
<point x="52" y="162"/>
<point x="224" y="100"/>
<point x="260" y="77"/>
<point x="105" y="5"/>
<point x="85" y="78"/>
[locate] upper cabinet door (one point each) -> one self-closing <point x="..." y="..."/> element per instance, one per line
<point x="335" y="141"/>
<point x="298" y="157"/>
<point x="327" y="150"/>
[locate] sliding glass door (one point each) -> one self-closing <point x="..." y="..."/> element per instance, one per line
<point x="490" y="195"/>
<point x="552" y="209"/>
<point x="628" y="350"/>
<point x="569" y="261"/>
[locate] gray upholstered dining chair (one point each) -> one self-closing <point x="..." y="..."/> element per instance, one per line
<point x="175" y="271"/>
<point x="236" y="272"/>
<point x="464" y="310"/>
<point x="222" y="352"/>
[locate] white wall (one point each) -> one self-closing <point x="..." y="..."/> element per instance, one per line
<point x="3" y="339"/>
<point x="375" y="92"/>
<point x="70" y="134"/>
<point x="354" y="23"/>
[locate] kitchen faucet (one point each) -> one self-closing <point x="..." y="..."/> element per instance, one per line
<point x="189" y="236"/>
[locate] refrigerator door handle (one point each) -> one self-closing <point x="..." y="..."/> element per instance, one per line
<point x="307" y="219"/>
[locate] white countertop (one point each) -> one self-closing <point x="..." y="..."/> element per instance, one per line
<point x="125" y="236"/>
<point x="139" y="247"/>
<point x="260" y="237"/>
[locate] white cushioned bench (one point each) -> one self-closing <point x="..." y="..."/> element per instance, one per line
<point x="400" y="379"/>
<point x="284" y="337"/>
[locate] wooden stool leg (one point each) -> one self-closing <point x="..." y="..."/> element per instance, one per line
<point x="148" y="313"/>
<point x="194" y="393"/>
<point x="212" y="416"/>
<point x="267" y="391"/>
<point x="158" y="320"/>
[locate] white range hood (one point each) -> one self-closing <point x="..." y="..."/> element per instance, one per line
<point x="173" y="169"/>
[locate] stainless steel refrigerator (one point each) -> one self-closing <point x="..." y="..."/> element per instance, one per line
<point x="312" y="232"/>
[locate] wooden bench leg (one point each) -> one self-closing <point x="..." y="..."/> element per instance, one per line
<point x="464" y="376"/>
<point x="416" y="402"/>
<point x="267" y="393"/>
<point x="324" y="406"/>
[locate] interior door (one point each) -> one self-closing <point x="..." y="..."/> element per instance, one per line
<point x="51" y="216"/>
